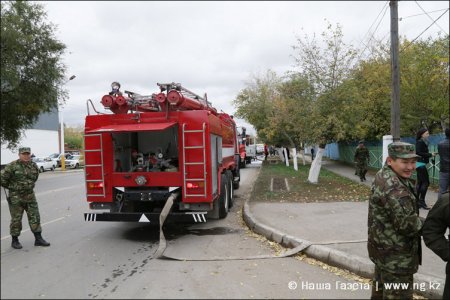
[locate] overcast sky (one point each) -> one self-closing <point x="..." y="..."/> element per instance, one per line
<point x="207" y="46"/>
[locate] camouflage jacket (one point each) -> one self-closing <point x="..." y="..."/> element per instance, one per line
<point x="393" y="224"/>
<point x="19" y="177"/>
<point x="362" y="155"/>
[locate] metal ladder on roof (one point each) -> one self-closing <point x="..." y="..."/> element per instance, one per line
<point x="194" y="163"/>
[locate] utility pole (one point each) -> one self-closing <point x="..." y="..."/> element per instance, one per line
<point x="395" y="71"/>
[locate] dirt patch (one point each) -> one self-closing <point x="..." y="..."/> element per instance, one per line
<point x="278" y="184"/>
<point x="330" y="187"/>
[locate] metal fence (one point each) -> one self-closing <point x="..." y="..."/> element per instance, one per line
<point x="345" y="152"/>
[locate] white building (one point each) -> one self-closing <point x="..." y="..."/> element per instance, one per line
<point x="43" y="138"/>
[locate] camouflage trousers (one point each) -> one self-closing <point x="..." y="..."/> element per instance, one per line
<point x="17" y="205"/>
<point x="388" y="285"/>
<point x="361" y="169"/>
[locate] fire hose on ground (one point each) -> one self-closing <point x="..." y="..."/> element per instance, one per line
<point x="163" y="243"/>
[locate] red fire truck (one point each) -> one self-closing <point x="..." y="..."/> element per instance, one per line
<point x="144" y="149"/>
<point x="247" y="147"/>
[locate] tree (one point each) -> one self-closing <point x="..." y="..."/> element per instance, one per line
<point x="73" y="137"/>
<point x="32" y="73"/>
<point x="256" y="103"/>
<point x="424" y="94"/>
<point x="326" y="68"/>
<point x="424" y="90"/>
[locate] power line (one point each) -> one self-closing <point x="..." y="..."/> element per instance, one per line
<point x="375" y="20"/>
<point x="410" y="16"/>
<point x="430" y="17"/>
<point x="373" y="34"/>
<point x="425" y="30"/>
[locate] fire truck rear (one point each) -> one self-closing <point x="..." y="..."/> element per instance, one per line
<point x="144" y="150"/>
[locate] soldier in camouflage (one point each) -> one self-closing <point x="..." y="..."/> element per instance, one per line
<point x="394" y="226"/>
<point x="19" y="178"/>
<point x="361" y="159"/>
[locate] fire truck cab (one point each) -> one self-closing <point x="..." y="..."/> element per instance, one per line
<point x="149" y="148"/>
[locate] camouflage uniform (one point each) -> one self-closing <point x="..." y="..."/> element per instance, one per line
<point x="394" y="229"/>
<point x="361" y="159"/>
<point x="19" y="178"/>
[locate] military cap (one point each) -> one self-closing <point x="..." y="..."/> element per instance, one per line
<point x="402" y="150"/>
<point x="24" y="150"/>
<point x="361" y="142"/>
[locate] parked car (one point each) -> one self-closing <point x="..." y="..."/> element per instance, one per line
<point x="44" y="164"/>
<point x="56" y="157"/>
<point x="74" y="161"/>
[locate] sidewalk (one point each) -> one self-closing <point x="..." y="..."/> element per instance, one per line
<point x="337" y="232"/>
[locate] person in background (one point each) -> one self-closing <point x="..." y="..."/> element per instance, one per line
<point x="444" y="163"/>
<point x="266" y="152"/>
<point x="434" y="228"/>
<point x="394" y="226"/>
<point x="361" y="159"/>
<point x="312" y="153"/>
<point x="19" y="177"/>
<point x="423" y="179"/>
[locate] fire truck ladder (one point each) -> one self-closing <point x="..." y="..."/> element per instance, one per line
<point x="87" y="167"/>
<point x="203" y="162"/>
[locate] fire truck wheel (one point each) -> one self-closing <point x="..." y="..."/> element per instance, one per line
<point x="230" y="188"/>
<point x="224" y="197"/>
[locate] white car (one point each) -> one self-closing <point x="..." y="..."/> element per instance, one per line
<point x="74" y="162"/>
<point x="44" y="164"/>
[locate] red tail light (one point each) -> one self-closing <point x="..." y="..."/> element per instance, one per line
<point x="191" y="185"/>
<point x="95" y="185"/>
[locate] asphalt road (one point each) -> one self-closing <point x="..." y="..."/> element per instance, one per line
<point x="92" y="260"/>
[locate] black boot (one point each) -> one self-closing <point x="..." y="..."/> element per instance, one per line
<point x="40" y="241"/>
<point x="15" y="243"/>
<point x="422" y="204"/>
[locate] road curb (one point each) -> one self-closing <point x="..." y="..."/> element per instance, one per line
<point x="356" y="264"/>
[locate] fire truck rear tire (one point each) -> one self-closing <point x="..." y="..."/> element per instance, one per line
<point x="224" y="197"/>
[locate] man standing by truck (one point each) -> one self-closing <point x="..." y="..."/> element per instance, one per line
<point x="19" y="177"/>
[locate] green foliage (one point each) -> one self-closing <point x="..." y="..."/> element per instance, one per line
<point x="334" y="97"/>
<point x="424" y="85"/>
<point x="73" y="138"/>
<point x="423" y="89"/>
<point x="31" y="68"/>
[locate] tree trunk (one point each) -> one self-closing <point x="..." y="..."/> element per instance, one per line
<point x="286" y="156"/>
<point x="314" y="171"/>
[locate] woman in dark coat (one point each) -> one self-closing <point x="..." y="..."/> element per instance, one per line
<point x="423" y="179"/>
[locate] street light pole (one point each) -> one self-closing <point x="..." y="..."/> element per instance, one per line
<point x="63" y="154"/>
